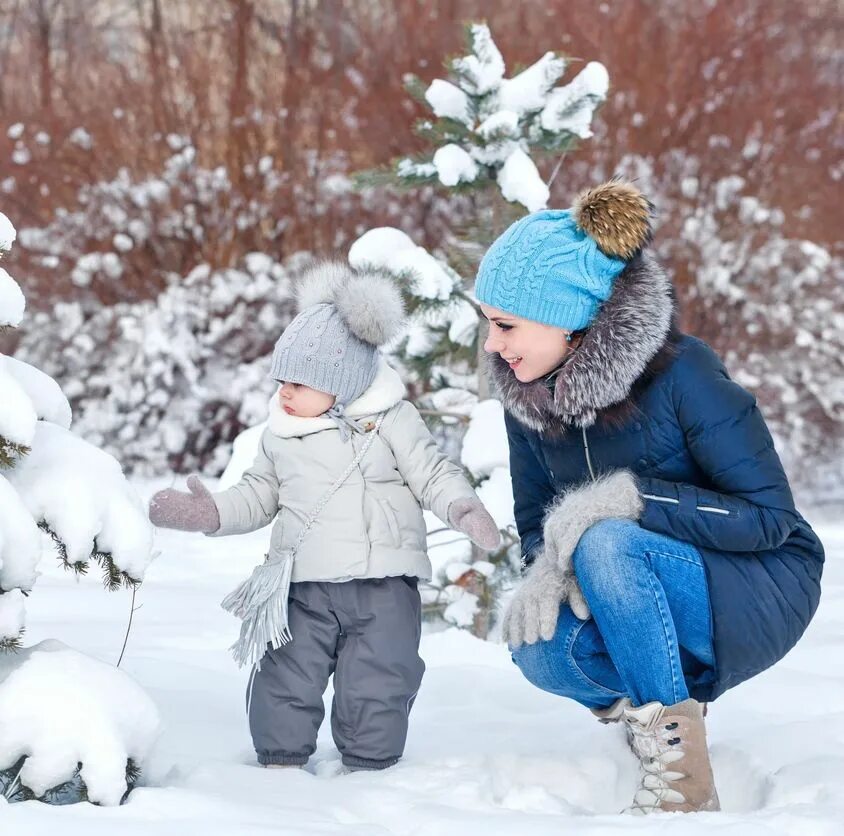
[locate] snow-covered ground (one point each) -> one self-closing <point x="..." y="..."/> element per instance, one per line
<point x="487" y="752"/>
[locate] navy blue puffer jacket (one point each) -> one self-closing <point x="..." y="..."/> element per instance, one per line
<point x="709" y="475"/>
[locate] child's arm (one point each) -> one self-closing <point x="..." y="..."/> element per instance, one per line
<point x="437" y="483"/>
<point x="250" y="504"/>
<point x="253" y="502"/>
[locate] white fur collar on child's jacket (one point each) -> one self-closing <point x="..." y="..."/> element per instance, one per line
<point x="385" y="392"/>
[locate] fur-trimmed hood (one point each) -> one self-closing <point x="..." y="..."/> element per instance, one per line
<point x="385" y="392"/>
<point x="628" y="338"/>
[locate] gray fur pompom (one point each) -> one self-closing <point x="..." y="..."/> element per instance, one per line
<point x="320" y="283"/>
<point x="369" y="302"/>
<point x="372" y="307"/>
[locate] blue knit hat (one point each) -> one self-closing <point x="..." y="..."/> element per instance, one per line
<point x="558" y="266"/>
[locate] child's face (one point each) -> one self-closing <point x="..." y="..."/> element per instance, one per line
<point x="298" y="399"/>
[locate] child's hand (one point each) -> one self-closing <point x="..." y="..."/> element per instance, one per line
<point x="469" y="516"/>
<point x="194" y="511"/>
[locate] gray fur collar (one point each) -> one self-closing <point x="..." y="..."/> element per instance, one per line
<point x="627" y="334"/>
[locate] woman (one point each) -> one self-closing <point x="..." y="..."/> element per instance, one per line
<point x="665" y="560"/>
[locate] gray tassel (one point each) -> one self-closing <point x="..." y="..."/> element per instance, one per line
<point x="261" y="602"/>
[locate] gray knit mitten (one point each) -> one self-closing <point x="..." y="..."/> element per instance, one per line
<point x="469" y="516"/>
<point x="613" y="496"/>
<point x="535" y="608"/>
<point x="193" y="511"/>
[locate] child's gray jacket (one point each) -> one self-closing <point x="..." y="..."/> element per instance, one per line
<point x="373" y="526"/>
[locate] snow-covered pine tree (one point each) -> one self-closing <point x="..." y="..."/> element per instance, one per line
<point x="484" y="134"/>
<point x="487" y="126"/>
<point x="52" y="480"/>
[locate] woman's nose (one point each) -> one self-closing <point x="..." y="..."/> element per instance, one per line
<point x="492" y="345"/>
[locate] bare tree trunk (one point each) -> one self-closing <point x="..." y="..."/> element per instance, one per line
<point x="239" y="97"/>
<point x="44" y="12"/>
<point x="156" y="58"/>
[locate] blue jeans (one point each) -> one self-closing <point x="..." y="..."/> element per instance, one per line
<point x="651" y="628"/>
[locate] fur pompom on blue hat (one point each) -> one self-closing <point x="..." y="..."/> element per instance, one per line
<point x="558" y="266"/>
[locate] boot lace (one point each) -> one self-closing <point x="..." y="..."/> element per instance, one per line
<point x="658" y="748"/>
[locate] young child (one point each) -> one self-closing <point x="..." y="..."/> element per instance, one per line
<point x="353" y="606"/>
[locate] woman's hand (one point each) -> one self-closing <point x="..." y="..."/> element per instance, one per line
<point x="615" y="496"/>
<point x="193" y="511"/>
<point x="535" y="608"/>
<point x="469" y="516"/>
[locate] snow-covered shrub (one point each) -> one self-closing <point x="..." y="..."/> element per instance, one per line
<point x="57" y="740"/>
<point x="168" y="383"/>
<point x="71" y="727"/>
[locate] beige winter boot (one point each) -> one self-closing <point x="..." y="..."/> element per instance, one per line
<point x="670" y="742"/>
<point x="613" y="713"/>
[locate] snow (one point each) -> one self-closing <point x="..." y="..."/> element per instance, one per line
<point x="504" y="122"/>
<point x="519" y="181"/>
<point x="17" y="418"/>
<point x="60" y="708"/>
<point x="80" y="492"/>
<point x="464" y="324"/>
<point x="45" y="394"/>
<point x="487" y="753"/>
<point x="454" y="165"/>
<point x="528" y="90"/>
<point x="81" y="137"/>
<point x="570" y="108"/>
<point x="482" y="72"/>
<point x="243" y="455"/>
<point x="7" y="233"/>
<point x="12" y="613"/>
<point x="386" y="248"/>
<point x="20" y="541"/>
<point x="12" y="301"/>
<point x="448" y="101"/>
<point x="485" y="443"/>
<point x="375" y="248"/>
<point x="496" y="493"/>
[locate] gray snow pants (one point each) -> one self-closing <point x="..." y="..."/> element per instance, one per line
<point x="365" y="632"/>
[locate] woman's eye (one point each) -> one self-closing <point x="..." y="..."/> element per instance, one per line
<point x="505" y="327"/>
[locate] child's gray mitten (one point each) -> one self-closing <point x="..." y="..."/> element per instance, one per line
<point x="535" y="608"/>
<point x="469" y="516"/>
<point x="193" y="511"/>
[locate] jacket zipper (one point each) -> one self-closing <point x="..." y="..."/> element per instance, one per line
<point x="586" y="451"/>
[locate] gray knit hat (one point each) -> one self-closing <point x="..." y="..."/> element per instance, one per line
<point x="332" y="344"/>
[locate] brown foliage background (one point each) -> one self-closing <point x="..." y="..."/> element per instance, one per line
<point x="286" y="98"/>
<point x="317" y="85"/>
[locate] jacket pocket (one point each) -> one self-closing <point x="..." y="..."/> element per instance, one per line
<point x="277" y="534"/>
<point x="706" y="509"/>
<point x="392" y="522"/>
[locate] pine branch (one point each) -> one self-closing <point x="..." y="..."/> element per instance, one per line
<point x="113" y="577"/>
<point x="11" y="453"/>
<point x="12" y="644"/>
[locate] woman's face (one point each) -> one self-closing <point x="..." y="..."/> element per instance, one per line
<point x="531" y="348"/>
<point x="301" y="400"/>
